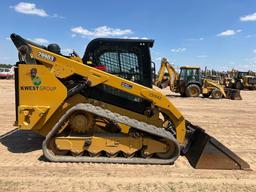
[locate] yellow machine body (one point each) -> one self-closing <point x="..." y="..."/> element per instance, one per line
<point x="62" y="70"/>
<point x="36" y="103"/>
<point x="81" y="128"/>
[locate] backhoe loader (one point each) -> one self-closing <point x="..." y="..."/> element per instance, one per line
<point x="190" y="83"/>
<point x="102" y="108"/>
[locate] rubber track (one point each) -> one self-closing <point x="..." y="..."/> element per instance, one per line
<point x="141" y="126"/>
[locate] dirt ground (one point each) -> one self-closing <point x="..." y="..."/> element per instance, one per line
<point x="22" y="167"/>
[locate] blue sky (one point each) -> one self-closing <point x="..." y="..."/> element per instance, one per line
<point x="215" y="33"/>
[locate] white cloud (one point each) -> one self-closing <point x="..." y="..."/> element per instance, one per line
<point x="251" y="17"/>
<point x="232" y="63"/>
<point x="8" y="38"/>
<point x="158" y="58"/>
<point x="250" y="59"/>
<point x="40" y="40"/>
<point x="229" y="32"/>
<point x="249" y="65"/>
<point x="195" y="39"/>
<point x="102" y="31"/>
<point x="29" y="8"/>
<point x="55" y="15"/>
<point x="254" y="51"/>
<point x="66" y="51"/>
<point x="126" y="37"/>
<point x="202" y="56"/>
<point x="178" y="50"/>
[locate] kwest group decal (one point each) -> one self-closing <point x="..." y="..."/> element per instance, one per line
<point x="36" y="80"/>
<point x="37" y="88"/>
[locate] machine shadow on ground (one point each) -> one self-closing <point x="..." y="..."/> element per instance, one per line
<point x="18" y="141"/>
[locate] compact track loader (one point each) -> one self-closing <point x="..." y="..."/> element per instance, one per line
<point x="102" y="108"/>
<point x="191" y="83"/>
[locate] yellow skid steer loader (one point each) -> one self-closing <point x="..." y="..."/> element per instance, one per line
<point x="102" y="108"/>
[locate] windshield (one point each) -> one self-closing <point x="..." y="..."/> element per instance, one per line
<point x="242" y="74"/>
<point x="189" y="74"/>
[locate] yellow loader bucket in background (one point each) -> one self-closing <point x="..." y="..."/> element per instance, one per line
<point x="205" y="152"/>
<point x="233" y="94"/>
<point x="163" y="84"/>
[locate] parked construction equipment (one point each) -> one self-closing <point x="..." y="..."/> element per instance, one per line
<point x="6" y="73"/>
<point x="102" y="108"/>
<point x="190" y="83"/>
<point x="242" y="80"/>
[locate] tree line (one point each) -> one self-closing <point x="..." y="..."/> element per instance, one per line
<point x="5" y="65"/>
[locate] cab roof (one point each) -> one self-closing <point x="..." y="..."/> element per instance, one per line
<point x="118" y="41"/>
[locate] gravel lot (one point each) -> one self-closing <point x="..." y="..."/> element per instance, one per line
<point x="22" y="167"/>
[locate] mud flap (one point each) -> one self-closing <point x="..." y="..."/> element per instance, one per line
<point x="233" y="94"/>
<point x="205" y="152"/>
